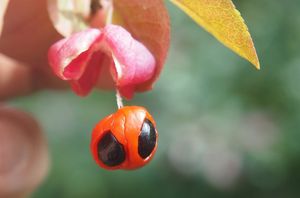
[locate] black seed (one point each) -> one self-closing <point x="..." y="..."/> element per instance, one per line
<point x="147" y="139"/>
<point x="110" y="151"/>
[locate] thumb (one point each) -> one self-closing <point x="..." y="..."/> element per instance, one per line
<point x="23" y="154"/>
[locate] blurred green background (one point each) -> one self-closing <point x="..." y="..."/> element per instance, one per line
<point x="226" y="130"/>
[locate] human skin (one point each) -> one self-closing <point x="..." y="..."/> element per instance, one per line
<point x="26" y="34"/>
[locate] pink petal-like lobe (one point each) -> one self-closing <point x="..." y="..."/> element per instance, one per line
<point x="148" y="21"/>
<point x="137" y="64"/>
<point x="74" y="50"/>
<point x="80" y="57"/>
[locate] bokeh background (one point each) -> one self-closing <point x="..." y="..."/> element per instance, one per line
<point x="226" y="129"/>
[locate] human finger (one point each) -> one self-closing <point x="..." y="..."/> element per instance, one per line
<point x="24" y="160"/>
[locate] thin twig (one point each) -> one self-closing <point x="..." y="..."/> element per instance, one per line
<point x="119" y="99"/>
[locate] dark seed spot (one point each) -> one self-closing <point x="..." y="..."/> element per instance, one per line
<point x="147" y="139"/>
<point x="110" y="151"/>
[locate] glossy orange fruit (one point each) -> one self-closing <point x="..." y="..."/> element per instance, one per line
<point x="126" y="139"/>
